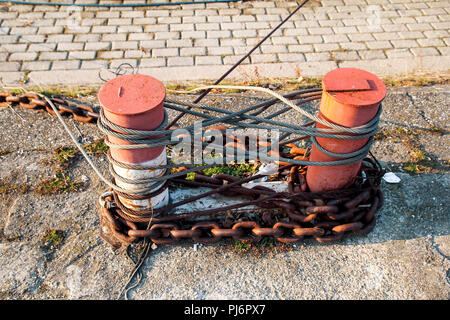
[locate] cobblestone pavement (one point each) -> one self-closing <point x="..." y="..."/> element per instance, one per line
<point x="71" y="45"/>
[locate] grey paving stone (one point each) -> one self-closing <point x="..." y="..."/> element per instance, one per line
<point x="208" y="60"/>
<point x="177" y="43"/>
<point x="23" y="56"/>
<point x="323" y="56"/>
<point x="11" y="78"/>
<point x="124" y="45"/>
<point x="180" y="61"/>
<point x="16" y="47"/>
<point x="404" y="43"/>
<point x="445" y="51"/>
<point x="345" y="55"/>
<point x="422" y="52"/>
<point x="153" y="62"/>
<point x="380" y="44"/>
<point x="197" y="51"/>
<point x="9" y="39"/>
<point x="219" y="51"/>
<point x="165" y="52"/>
<point x="35" y="65"/>
<point x="69" y="46"/>
<point x="81" y="55"/>
<point x="372" y="54"/>
<point x="326" y="47"/>
<point x="300" y="48"/>
<point x="110" y="54"/>
<point x="96" y="46"/>
<point x="94" y="64"/>
<point x="60" y="37"/>
<point x="65" y="65"/>
<point x="9" y="66"/>
<point x="51" y="56"/>
<point x="310" y="39"/>
<point x="291" y="57"/>
<point x="23" y="30"/>
<point x="398" y="53"/>
<point x="264" y="58"/>
<point x="211" y="34"/>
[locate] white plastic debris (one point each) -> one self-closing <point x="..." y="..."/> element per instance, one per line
<point x="391" y="177"/>
<point x="266" y="169"/>
<point x="154" y="246"/>
<point x="85" y="178"/>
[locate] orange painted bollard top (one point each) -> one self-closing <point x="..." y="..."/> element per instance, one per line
<point x="351" y="97"/>
<point x="133" y="101"/>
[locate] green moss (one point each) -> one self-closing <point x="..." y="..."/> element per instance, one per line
<point x="65" y="155"/>
<point x="418" y="155"/>
<point x="411" y="168"/>
<point x="53" y="239"/>
<point x="60" y="183"/>
<point x="414" y="81"/>
<point x="241" y="246"/>
<point x="263" y="247"/>
<point x="236" y="170"/>
<point x="267" y="242"/>
<point x="96" y="147"/>
<point x="43" y="288"/>
<point x="437" y="131"/>
<point x="66" y="92"/>
<point x="6" y="188"/>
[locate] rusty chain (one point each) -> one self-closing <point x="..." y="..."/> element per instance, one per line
<point x="294" y="215"/>
<point x="80" y="112"/>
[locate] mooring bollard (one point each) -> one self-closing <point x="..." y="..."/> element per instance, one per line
<point x="136" y="102"/>
<point x="351" y="98"/>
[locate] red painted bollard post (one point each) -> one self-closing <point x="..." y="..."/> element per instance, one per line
<point x="136" y="102"/>
<point x="351" y="97"/>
